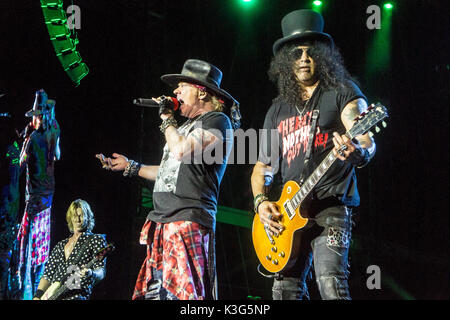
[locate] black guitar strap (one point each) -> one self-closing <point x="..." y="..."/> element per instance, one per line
<point x="83" y="249"/>
<point x="312" y="132"/>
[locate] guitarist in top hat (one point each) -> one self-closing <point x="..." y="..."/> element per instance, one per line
<point x="316" y="105"/>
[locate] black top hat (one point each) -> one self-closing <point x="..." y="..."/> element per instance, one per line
<point x="201" y="73"/>
<point x="302" y="24"/>
<point x="42" y="104"/>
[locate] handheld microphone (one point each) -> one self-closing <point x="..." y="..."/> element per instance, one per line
<point x="173" y="102"/>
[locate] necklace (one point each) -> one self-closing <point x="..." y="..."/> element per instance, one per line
<point x="301" y="113"/>
<point x="305" y="94"/>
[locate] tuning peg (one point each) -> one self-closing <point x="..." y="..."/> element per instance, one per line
<point x="384" y="124"/>
<point x="377" y="129"/>
<point x="371" y="134"/>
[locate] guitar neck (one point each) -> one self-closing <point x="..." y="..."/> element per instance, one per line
<point x="64" y="287"/>
<point x="315" y="177"/>
<point x="58" y="292"/>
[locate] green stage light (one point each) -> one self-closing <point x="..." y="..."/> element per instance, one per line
<point x="317" y="6"/>
<point x="388" y="6"/>
<point x="65" y="46"/>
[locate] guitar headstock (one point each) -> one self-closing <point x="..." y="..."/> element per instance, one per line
<point x="102" y="253"/>
<point x="368" y="119"/>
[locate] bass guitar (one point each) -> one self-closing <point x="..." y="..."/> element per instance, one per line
<point x="56" y="289"/>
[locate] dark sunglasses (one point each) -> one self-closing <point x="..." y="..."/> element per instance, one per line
<point x="296" y="53"/>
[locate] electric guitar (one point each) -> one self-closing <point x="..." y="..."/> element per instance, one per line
<point x="56" y="290"/>
<point x="277" y="253"/>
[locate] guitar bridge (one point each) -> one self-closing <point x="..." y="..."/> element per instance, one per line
<point x="289" y="209"/>
<point x="269" y="235"/>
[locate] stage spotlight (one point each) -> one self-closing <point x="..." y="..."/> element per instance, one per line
<point x="388" y="6"/>
<point x="317" y="6"/>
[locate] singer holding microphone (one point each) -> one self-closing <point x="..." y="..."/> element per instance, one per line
<point x="39" y="152"/>
<point x="179" y="231"/>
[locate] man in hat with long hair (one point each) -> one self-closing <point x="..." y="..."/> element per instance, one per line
<point x="179" y="232"/>
<point x="316" y="105"/>
<point x="39" y="152"/>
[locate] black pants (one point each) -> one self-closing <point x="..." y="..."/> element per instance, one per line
<point x="325" y="241"/>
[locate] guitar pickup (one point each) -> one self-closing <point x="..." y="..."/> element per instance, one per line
<point x="289" y="209"/>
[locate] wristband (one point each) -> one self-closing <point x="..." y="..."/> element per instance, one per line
<point x="359" y="158"/>
<point x="132" y="169"/>
<point x="258" y="200"/>
<point x="168" y="122"/>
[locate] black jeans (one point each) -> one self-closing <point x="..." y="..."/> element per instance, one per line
<point x="324" y="244"/>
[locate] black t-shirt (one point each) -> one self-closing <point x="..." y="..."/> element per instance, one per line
<point x="188" y="190"/>
<point x="40" y="162"/>
<point x="285" y="152"/>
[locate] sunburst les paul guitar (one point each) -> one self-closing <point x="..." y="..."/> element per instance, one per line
<point x="277" y="253"/>
<point x="57" y="289"/>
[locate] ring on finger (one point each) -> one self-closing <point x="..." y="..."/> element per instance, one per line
<point x="343" y="147"/>
<point x="270" y="216"/>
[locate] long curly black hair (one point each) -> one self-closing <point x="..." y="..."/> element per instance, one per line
<point x="329" y="67"/>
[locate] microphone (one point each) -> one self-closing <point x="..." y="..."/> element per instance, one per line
<point x="170" y="101"/>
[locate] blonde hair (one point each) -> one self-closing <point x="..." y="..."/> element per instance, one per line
<point x="217" y="104"/>
<point x="88" y="215"/>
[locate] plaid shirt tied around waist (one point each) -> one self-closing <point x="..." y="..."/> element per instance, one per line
<point x="180" y="249"/>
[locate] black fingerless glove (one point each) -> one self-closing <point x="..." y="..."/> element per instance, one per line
<point x="359" y="158"/>
<point x="166" y="106"/>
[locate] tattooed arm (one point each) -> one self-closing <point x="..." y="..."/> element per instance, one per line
<point x="195" y="142"/>
<point x="358" y="152"/>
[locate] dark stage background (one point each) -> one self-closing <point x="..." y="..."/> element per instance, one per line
<point x="402" y="223"/>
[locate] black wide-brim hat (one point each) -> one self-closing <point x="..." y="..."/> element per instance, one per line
<point x="42" y="104"/>
<point x="302" y="25"/>
<point x="201" y="73"/>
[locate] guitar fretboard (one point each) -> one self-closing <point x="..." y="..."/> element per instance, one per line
<point x="312" y="180"/>
<point x="318" y="173"/>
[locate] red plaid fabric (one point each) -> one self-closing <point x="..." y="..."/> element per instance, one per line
<point x="180" y="249"/>
<point x="37" y="236"/>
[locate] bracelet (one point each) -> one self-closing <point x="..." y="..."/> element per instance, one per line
<point x="359" y="158"/>
<point x="168" y="122"/>
<point x="260" y="198"/>
<point x="132" y="169"/>
<point x="38" y="294"/>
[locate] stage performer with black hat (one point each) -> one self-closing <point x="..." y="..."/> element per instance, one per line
<point x="317" y="103"/>
<point x="179" y="232"/>
<point x="39" y="152"/>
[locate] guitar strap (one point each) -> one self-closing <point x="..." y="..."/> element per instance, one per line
<point x="82" y="250"/>
<point x="312" y="131"/>
<point x="75" y="262"/>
